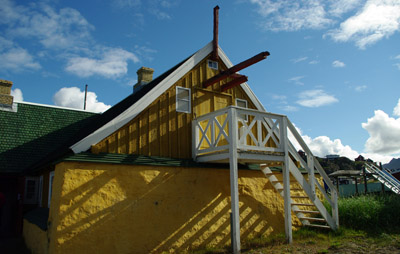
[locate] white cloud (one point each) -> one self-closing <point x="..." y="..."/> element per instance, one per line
<point x="323" y="145"/>
<point x="73" y="97"/>
<point x="297" y="80"/>
<point x="17" y="59"/>
<point x="314" y="62"/>
<point x="315" y="98"/>
<point x="384" y="133"/>
<point x="63" y="29"/>
<point x="376" y="20"/>
<point x="360" y="88"/>
<point x="289" y="108"/>
<point x="300" y="59"/>
<point x="396" y="110"/>
<point x="112" y="64"/>
<point x="287" y="15"/>
<point x="339" y="7"/>
<point x="17" y="94"/>
<point x="338" y="64"/>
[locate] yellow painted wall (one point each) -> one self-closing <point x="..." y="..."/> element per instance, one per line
<point x="105" y="208"/>
<point x="161" y="131"/>
<point x="35" y="238"/>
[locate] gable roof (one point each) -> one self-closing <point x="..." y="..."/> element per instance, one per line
<point x="130" y="107"/>
<point x="32" y="131"/>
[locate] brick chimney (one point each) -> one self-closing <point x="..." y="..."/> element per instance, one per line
<point x="6" y="100"/>
<point x="145" y="75"/>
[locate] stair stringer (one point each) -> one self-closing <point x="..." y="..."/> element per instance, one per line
<point x="307" y="189"/>
<point x="279" y="188"/>
<point x="388" y="180"/>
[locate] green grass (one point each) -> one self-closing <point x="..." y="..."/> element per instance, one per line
<point x="373" y="213"/>
<point x="365" y="220"/>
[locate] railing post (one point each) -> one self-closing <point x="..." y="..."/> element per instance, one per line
<point x="311" y="175"/>
<point x="286" y="182"/>
<point x="233" y="165"/>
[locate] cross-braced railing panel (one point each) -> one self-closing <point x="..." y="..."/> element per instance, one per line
<point x="261" y="131"/>
<point x="257" y="131"/>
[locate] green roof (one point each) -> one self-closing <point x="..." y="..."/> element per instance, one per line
<point x="34" y="131"/>
<point x="134" y="159"/>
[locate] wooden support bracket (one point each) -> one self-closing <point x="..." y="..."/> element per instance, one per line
<point x="237" y="80"/>
<point x="236" y="68"/>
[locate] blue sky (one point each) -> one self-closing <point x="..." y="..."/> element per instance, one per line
<point x="334" y="67"/>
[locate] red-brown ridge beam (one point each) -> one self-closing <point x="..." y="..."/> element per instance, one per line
<point x="237" y="80"/>
<point x="214" y="55"/>
<point x="236" y="68"/>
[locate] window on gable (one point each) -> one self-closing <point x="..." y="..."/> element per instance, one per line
<point x="212" y="64"/>
<point x="242" y="104"/>
<point x="183" y="99"/>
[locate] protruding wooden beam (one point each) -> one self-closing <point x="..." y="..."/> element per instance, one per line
<point x="237" y="80"/>
<point x="214" y="55"/>
<point x="236" y="68"/>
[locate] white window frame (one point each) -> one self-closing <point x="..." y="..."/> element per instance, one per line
<point x="237" y="105"/>
<point x="51" y="179"/>
<point x="212" y="64"/>
<point x="34" y="199"/>
<point x="188" y="99"/>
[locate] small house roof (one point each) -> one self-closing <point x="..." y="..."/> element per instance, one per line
<point x="32" y="131"/>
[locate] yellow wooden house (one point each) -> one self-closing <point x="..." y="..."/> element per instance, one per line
<point x="184" y="162"/>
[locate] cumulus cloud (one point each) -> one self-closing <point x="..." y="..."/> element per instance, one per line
<point x="315" y="98"/>
<point x="384" y="133"/>
<point x="376" y="20"/>
<point x="396" y="110"/>
<point x="323" y="145"/>
<point x="112" y="64"/>
<point x="17" y="59"/>
<point x="366" y="21"/>
<point x="17" y="94"/>
<point x="65" y="28"/>
<point x="338" y="64"/>
<point x="73" y="97"/>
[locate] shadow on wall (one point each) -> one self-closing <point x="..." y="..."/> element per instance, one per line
<point x="143" y="209"/>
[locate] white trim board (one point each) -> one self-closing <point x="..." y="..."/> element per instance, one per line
<point x="152" y="95"/>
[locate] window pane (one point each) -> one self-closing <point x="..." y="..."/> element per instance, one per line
<point x="183" y="106"/>
<point x="183" y="94"/>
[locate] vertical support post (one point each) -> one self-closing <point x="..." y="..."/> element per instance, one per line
<point x="233" y="166"/>
<point x="335" y="208"/>
<point x="286" y="183"/>
<point x="311" y="176"/>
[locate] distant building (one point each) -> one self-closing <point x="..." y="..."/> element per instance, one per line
<point x="332" y="156"/>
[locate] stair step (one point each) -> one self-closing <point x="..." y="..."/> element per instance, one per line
<point x="307" y="211"/>
<point x="296" y="189"/>
<point x="268" y="174"/>
<point x="312" y="219"/>
<point x="300" y="204"/>
<point x="318" y="226"/>
<point x="299" y="196"/>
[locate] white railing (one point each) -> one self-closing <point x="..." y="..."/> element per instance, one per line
<point x="262" y="132"/>
<point x="256" y="131"/>
<point x="384" y="177"/>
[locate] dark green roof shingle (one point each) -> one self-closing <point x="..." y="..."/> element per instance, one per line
<point x="34" y="131"/>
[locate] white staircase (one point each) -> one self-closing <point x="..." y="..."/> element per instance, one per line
<point x="237" y="135"/>
<point x="384" y="177"/>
